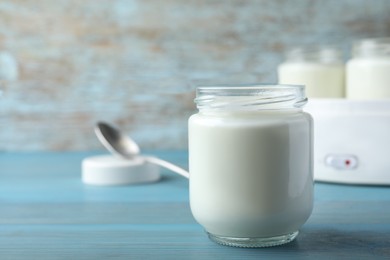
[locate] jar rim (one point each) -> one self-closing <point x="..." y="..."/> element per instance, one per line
<point x="250" y="97"/>
<point x="248" y="87"/>
<point x="375" y="41"/>
<point x="371" y="47"/>
<point x="314" y="53"/>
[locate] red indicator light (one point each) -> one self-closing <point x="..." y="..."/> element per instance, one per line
<point x="347" y="162"/>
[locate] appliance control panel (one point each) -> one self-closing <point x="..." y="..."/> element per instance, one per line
<point x="341" y="161"/>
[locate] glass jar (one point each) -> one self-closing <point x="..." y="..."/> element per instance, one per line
<point x="250" y="160"/>
<point x="368" y="72"/>
<point x="320" y="69"/>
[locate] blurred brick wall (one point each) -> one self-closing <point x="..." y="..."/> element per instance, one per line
<point x="130" y="61"/>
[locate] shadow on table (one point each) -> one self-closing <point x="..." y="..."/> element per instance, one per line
<point x="174" y="180"/>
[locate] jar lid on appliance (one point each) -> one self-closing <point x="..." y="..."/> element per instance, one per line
<point x="108" y="170"/>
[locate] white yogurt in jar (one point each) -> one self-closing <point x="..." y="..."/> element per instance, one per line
<point x="321" y="70"/>
<point x="368" y="72"/>
<point x="251" y="163"/>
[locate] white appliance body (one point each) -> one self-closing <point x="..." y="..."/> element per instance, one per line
<point x="351" y="140"/>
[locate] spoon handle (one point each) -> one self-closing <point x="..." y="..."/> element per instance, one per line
<point x="169" y="166"/>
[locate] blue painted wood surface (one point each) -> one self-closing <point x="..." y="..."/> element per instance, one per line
<point x="47" y="213"/>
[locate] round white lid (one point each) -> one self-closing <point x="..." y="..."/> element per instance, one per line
<point x="111" y="170"/>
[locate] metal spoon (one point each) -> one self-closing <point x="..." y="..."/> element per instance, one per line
<point x="121" y="145"/>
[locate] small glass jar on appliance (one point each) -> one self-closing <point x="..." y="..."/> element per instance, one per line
<point x="251" y="163"/>
<point x="319" y="68"/>
<point x="368" y="72"/>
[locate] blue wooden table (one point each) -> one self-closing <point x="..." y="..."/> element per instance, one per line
<point x="46" y="212"/>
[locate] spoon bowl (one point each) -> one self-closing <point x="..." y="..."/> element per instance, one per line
<point x="123" y="146"/>
<point x="115" y="141"/>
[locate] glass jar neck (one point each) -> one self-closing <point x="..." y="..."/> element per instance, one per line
<point x="250" y="98"/>
<point x="375" y="47"/>
<point x="318" y="54"/>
